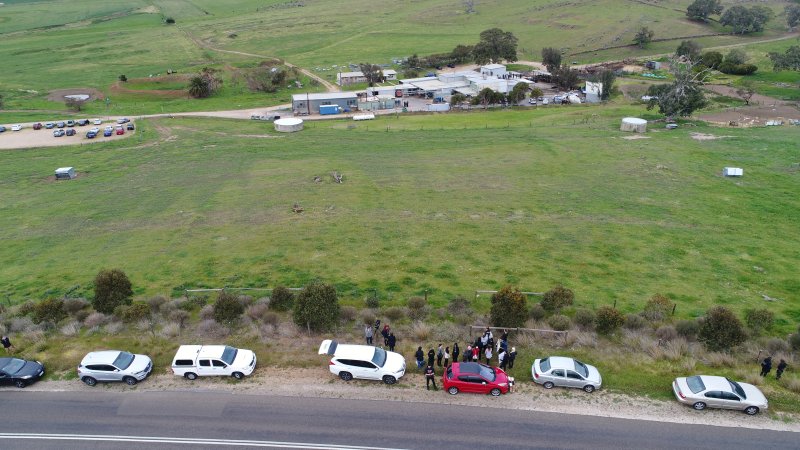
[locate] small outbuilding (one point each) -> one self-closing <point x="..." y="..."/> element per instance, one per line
<point x="732" y="172"/>
<point x="289" y="125"/>
<point x="65" y="173"/>
<point x="633" y="124"/>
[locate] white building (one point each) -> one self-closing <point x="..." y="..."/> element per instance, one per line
<point x="493" y="70"/>
<point x="594" y="91"/>
<point x="344" y="78"/>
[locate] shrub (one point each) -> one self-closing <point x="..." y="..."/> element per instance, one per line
<point x="245" y="300"/>
<point x="22" y="325"/>
<point x="372" y="301"/>
<point x="123" y="78"/>
<point x="459" y="306"/>
<point x="96" y="319"/>
<point x="509" y="308"/>
<point x="193" y="303"/>
<point x="721" y="329"/>
<point x="227" y="309"/>
<point x="557" y="298"/>
<point x="417" y="303"/>
<point x="608" y="320"/>
<point x="421" y="331"/>
<point x="256" y="312"/>
<point x="775" y="345"/>
<point x="271" y="318"/>
<point x="687" y="328"/>
<point x="368" y="316"/>
<point x="169" y="20"/>
<point x="112" y="288"/>
<point x="156" y="303"/>
<point x="71" y="328"/>
<point x="211" y="329"/>
<point x="759" y="320"/>
<point x="559" y="322"/>
<point x="73" y="305"/>
<point x="537" y="312"/>
<point x="716" y="359"/>
<point x="179" y="316"/>
<point x="282" y="299"/>
<point x="50" y="311"/>
<point x="657" y="308"/>
<point x="737" y="69"/>
<point x="135" y="312"/>
<point x="317" y="307"/>
<point x="584" y="318"/>
<point x="666" y="333"/>
<point x="25" y="309"/>
<point x="634" y="322"/>
<point x="207" y="313"/>
<point x="347" y="313"/>
<point x="792" y="384"/>
<point x="394" y="313"/>
<point x="794" y="341"/>
<point x="171" y="330"/>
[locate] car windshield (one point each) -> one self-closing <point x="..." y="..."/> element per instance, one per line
<point x="544" y="364"/>
<point x="229" y="354"/>
<point x="488" y="373"/>
<point x="695" y="384"/>
<point x="13" y="366"/>
<point x="737" y="389"/>
<point x="581" y="369"/>
<point x="379" y="358"/>
<point x="123" y="361"/>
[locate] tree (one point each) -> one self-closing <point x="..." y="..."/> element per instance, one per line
<point x="701" y="9"/>
<point x="198" y="88"/>
<point x="711" y="59"/>
<point x="792" y="15"/>
<point x="509" y="308"/>
<point x="536" y="92"/>
<point x="759" y="320"/>
<point x="74" y="104"/>
<point x="495" y="45"/>
<point x="372" y="72"/>
<point x="518" y="93"/>
<point x="557" y="298"/>
<point x="790" y="60"/>
<point x="735" y="56"/>
<point x="228" y="309"/>
<point x="606" y="78"/>
<point x="112" y="288"/>
<point x="317" y="307"/>
<point x="565" y="78"/>
<point x="608" y="320"/>
<point x="721" y="329"/>
<point x="412" y="61"/>
<point x="462" y="54"/>
<point x="746" y="90"/>
<point x="123" y="78"/>
<point x="49" y="311"/>
<point x="744" y="20"/>
<point x="551" y="58"/>
<point x="282" y="299"/>
<point x="458" y="99"/>
<point x="487" y="97"/>
<point x="643" y="37"/>
<point x="689" y="49"/>
<point x="684" y="95"/>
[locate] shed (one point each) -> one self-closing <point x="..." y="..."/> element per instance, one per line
<point x="65" y="173"/>
<point x="732" y="172"/>
<point x="633" y="124"/>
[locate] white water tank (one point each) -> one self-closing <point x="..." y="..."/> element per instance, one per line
<point x="633" y="124"/>
<point x="289" y="125"/>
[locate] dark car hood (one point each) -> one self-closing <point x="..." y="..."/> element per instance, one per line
<point x="31" y="368"/>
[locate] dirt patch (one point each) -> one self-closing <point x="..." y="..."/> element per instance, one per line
<point x="58" y="95"/>
<point x="706" y="137"/>
<point x="635" y="137"/>
<point x="118" y="88"/>
<point x="760" y="110"/>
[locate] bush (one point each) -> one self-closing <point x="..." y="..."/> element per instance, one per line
<point x="634" y="322"/>
<point x="459" y="306"/>
<point x="537" y="312"/>
<point x="246" y="300"/>
<point x="211" y="329"/>
<point x="775" y="345"/>
<point x="608" y="320"/>
<point x="509" y="308"/>
<point x="794" y="341"/>
<point x="256" y="312"/>
<point x="135" y="312"/>
<point x="394" y="313"/>
<point x="317" y="307"/>
<point x="169" y="20"/>
<point x="207" y="313"/>
<point x="372" y="301"/>
<point x="687" y="328"/>
<point x="49" y="311"/>
<point x="179" y="316"/>
<point x="22" y="325"/>
<point x="721" y="329"/>
<point x="123" y="78"/>
<point x="347" y="313"/>
<point x="557" y="298"/>
<point x="368" y="316"/>
<point x="792" y="384"/>
<point x="759" y="320"/>
<point x="666" y="333"/>
<point x="228" y="309"/>
<point x="584" y="318"/>
<point x="193" y="303"/>
<point x="417" y="303"/>
<point x="74" y="305"/>
<point x="282" y="299"/>
<point x="96" y="319"/>
<point x="272" y="319"/>
<point x="71" y="328"/>
<point x="25" y="309"/>
<point x="737" y="69"/>
<point x="156" y="303"/>
<point x="558" y="322"/>
<point x="657" y="308"/>
<point x="112" y="288"/>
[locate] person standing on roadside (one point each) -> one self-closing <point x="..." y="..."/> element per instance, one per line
<point x="511" y="357"/>
<point x="475" y="354"/>
<point x="430" y="377"/>
<point x="488" y="354"/>
<point x="781" y="368"/>
<point x="385" y="333"/>
<point x="502" y="358"/>
<point x="420" y="356"/>
<point x="439" y="355"/>
<point x="456" y="351"/>
<point x="467" y="353"/>
<point x="7" y="344"/>
<point x="447" y="356"/>
<point x="391" y="342"/>
<point x="368" y="334"/>
<point x="766" y="366"/>
<point x="431" y="356"/>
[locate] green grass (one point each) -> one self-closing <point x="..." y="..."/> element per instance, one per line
<point x="447" y="204"/>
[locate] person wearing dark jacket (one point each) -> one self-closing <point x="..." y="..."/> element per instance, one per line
<point x="439" y="355"/>
<point x="467" y="354"/>
<point x="431" y="356"/>
<point x="392" y="342"/>
<point x="512" y="355"/>
<point x="456" y="351"/>
<point x="430" y="377"/>
<point x="766" y="366"/>
<point x="7" y="344"/>
<point x="781" y="368"/>
<point x="420" y="356"/>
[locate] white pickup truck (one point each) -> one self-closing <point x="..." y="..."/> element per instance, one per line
<point x="192" y="361"/>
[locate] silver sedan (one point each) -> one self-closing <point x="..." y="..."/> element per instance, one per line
<point x="567" y="372"/>
<point x="704" y="391"/>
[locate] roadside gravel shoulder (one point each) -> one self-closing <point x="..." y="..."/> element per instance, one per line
<point x="319" y="383"/>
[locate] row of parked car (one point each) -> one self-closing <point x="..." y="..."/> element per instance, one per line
<point x="350" y="361"/>
<point x="59" y="127"/>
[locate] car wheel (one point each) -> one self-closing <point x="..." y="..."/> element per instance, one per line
<point x="699" y="406"/>
<point x="588" y="388"/>
<point x="191" y="375"/>
<point x="238" y="375"/>
<point x="89" y="381"/>
<point x="495" y="392"/>
<point x="130" y="381"/>
<point x="388" y="379"/>
<point x="548" y="385"/>
<point x="346" y="376"/>
<point x="452" y="390"/>
<point x="20" y="384"/>
<point x="751" y="410"/>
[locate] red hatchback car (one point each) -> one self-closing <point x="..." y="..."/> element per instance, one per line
<point x="477" y="378"/>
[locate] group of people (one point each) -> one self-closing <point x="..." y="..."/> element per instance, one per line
<point x="389" y="339"/>
<point x="766" y="367"/>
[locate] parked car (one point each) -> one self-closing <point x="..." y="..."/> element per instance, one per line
<point x="366" y="362"/>
<point x="70" y="123"/>
<point x="107" y="133"/>
<point x="545" y="101"/>
<point x="58" y="133"/>
<point x="192" y="361"/>
<point x="114" y="365"/>
<point x="16" y="127"/>
<point x="60" y="124"/>
<point x="130" y="126"/>
<point x="476" y="377"/>
<point x="2" y="129"/>
<point x="37" y="126"/>
<point x="19" y="372"/>
<point x="97" y="121"/>
<point x="83" y="122"/>
<point x="704" y="391"/>
<point x="567" y="372"/>
<point x="71" y="132"/>
<point x="532" y="101"/>
<point x="50" y="125"/>
<point x="120" y="131"/>
<point x="91" y="134"/>
<point x="123" y="120"/>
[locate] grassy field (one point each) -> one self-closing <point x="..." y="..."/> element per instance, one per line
<point x="447" y="204"/>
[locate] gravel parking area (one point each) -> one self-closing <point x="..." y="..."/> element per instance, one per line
<point x="30" y="138"/>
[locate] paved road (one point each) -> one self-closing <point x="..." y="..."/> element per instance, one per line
<point x="107" y="419"/>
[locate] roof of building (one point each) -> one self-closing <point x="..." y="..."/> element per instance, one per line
<point x="493" y="66"/>
<point x="350" y="74"/>
<point x="324" y="96"/>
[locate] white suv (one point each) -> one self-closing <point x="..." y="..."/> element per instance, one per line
<point x="114" y="365"/>
<point x="363" y="361"/>
<point x="192" y="361"/>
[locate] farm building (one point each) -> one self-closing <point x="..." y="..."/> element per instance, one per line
<point x="310" y="103"/>
<point x="493" y="70"/>
<point x="345" y="78"/>
<point x="593" y="92"/>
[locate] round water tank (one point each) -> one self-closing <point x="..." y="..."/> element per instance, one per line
<point x="633" y="124"/>
<point x="289" y="125"/>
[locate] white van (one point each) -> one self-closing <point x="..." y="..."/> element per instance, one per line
<point x="192" y="361"/>
<point x="363" y="361"/>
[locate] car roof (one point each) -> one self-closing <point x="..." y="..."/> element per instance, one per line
<point x="199" y="351"/>
<point x="561" y="362"/>
<point x="102" y="357"/>
<point x="467" y="367"/>
<point x="347" y="351"/>
<point x="715" y="383"/>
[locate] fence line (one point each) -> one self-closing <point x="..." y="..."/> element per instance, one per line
<point x="478" y="293"/>
<point x="236" y="289"/>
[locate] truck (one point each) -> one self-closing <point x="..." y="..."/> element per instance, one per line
<point x="192" y="361"/>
